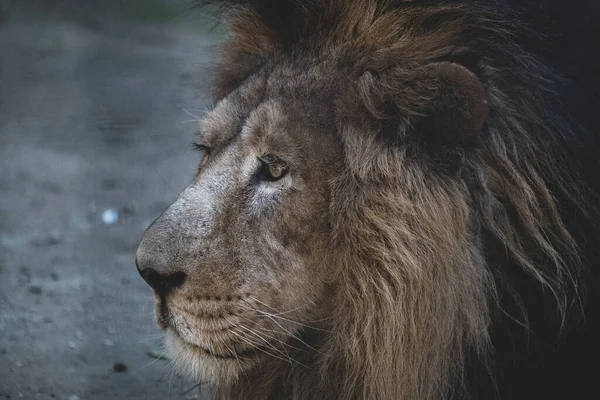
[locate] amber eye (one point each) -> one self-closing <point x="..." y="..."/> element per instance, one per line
<point x="272" y="169"/>
<point x="275" y="172"/>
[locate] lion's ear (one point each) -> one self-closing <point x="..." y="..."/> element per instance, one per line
<point x="437" y="109"/>
<point x="440" y="105"/>
<point x="453" y="106"/>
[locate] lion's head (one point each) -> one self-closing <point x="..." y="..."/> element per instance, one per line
<point x="368" y="173"/>
<point x="242" y="259"/>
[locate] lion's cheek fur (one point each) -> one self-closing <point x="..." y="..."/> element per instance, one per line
<point x="413" y="282"/>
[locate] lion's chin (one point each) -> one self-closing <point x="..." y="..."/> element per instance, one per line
<point x="203" y="367"/>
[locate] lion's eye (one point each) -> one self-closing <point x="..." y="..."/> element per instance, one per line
<point x="275" y="172"/>
<point x="272" y="170"/>
<point x="201" y="147"/>
<point x="204" y="151"/>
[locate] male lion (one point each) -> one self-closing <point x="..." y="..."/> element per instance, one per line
<point x="396" y="200"/>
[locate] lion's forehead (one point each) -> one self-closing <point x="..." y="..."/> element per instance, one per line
<point x="275" y="94"/>
<point x="233" y="121"/>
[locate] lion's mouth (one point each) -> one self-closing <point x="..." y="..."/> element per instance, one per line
<point x="220" y="338"/>
<point x="234" y="353"/>
<point x="229" y="350"/>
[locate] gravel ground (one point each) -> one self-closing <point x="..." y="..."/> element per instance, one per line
<point x="94" y="122"/>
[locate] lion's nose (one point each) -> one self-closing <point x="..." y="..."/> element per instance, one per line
<point x="162" y="284"/>
<point x="162" y="280"/>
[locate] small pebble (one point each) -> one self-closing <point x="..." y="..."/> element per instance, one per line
<point x="110" y="216"/>
<point x="108" y="342"/>
<point x="36" y="319"/>
<point x="74" y="397"/>
<point x="72" y="344"/>
<point x="119" y="367"/>
<point x="34" y="289"/>
<point x="19" y="364"/>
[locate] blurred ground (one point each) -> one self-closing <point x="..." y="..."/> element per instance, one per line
<point x="91" y="119"/>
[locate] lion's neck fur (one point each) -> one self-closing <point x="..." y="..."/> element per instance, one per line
<point x="409" y="325"/>
<point x="416" y="287"/>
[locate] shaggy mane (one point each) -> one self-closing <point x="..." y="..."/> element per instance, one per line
<point x="415" y="298"/>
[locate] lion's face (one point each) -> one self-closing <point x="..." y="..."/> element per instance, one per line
<point x="295" y="177"/>
<point x="239" y="263"/>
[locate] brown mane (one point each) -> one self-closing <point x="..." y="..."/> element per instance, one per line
<point x="413" y="298"/>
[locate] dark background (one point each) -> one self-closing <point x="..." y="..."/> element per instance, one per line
<point x="98" y="106"/>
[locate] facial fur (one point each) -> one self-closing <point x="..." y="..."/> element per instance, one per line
<point x="418" y="178"/>
<point x="254" y="250"/>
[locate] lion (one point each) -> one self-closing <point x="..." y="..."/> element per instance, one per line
<point x="395" y="200"/>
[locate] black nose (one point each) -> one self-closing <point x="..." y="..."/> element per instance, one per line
<point x="161" y="283"/>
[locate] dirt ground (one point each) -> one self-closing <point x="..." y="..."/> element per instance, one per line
<point x="95" y="121"/>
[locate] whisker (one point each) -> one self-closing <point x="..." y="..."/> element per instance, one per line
<point x="191" y="115"/>
<point x="289" y="311"/>
<point x="172" y="372"/>
<point x="197" y="385"/>
<point x="232" y="350"/>
<point x="147" y="365"/>
<point x="290" y="333"/>
<point x="150" y="339"/>
<point x="277" y="314"/>
<point x="282" y="352"/>
<point x="263" y="330"/>
<point x="256" y="345"/>
<point x="271" y="346"/>
<point x="273" y="316"/>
